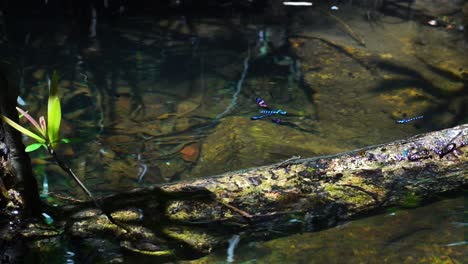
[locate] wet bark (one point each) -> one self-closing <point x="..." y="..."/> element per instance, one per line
<point x="13" y="150"/>
<point x="295" y="195"/>
<point x="19" y="199"/>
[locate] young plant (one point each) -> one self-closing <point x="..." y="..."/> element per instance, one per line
<point x="47" y="136"/>
<point x="48" y="132"/>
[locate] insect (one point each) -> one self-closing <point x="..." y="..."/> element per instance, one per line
<point x="266" y="112"/>
<point x="258" y="117"/>
<point x="273" y="112"/>
<point x="404" y="121"/>
<point x="260" y="102"/>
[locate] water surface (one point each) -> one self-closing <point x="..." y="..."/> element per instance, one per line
<point x="150" y="100"/>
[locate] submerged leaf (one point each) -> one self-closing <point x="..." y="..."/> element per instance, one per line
<point x="33" y="147"/>
<point x="23" y="130"/>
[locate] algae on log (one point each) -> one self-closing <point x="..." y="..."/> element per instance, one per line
<point x="300" y="194"/>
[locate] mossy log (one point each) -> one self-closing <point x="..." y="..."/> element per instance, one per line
<point x="295" y="195"/>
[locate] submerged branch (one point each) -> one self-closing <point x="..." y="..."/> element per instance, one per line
<point x="348" y="29"/>
<point x="70" y="172"/>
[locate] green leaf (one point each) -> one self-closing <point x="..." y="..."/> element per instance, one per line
<point x="33" y="147"/>
<point x="76" y="140"/>
<point x="66" y="140"/>
<point x="53" y="90"/>
<point x="54" y="113"/>
<point x="23" y="130"/>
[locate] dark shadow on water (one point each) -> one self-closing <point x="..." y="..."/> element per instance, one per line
<point x="454" y="102"/>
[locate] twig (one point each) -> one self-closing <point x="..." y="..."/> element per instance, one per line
<point x="235" y="209"/>
<point x="70" y="172"/>
<point x="348" y="29"/>
<point x="65" y="197"/>
<point x="345" y="51"/>
<point x="289" y="161"/>
<point x="238" y="90"/>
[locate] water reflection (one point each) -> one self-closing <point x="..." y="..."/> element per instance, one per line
<point x="423" y="235"/>
<point x="155" y="88"/>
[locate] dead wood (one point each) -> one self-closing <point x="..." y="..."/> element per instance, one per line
<point x="298" y="194"/>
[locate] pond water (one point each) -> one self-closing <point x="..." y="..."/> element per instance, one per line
<point x="431" y="234"/>
<point x="149" y="100"/>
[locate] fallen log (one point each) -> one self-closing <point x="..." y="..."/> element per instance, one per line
<point x="279" y="199"/>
